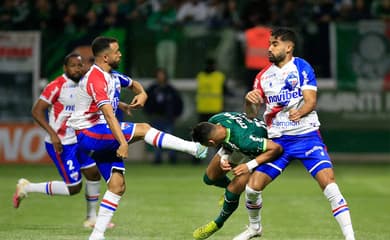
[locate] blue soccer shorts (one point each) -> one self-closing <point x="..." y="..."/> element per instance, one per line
<point x="308" y="148"/>
<point x="66" y="162"/>
<point x="99" y="143"/>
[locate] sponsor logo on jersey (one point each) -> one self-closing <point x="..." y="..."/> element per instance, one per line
<point x="70" y="108"/>
<point x="284" y="97"/>
<point x="288" y="91"/>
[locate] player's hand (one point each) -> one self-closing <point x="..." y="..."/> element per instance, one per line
<point x="240" y="169"/>
<point x="56" y="141"/>
<point x="138" y="101"/>
<point x="294" y="115"/>
<point x="254" y="97"/>
<point x="224" y="163"/>
<point x="123" y="151"/>
<point x="127" y="110"/>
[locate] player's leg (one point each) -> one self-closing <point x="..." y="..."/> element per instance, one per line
<point x="214" y="174"/>
<point x="67" y="166"/>
<point x="317" y="162"/>
<point x="262" y="176"/>
<point x="338" y="203"/>
<point x="163" y="140"/>
<point x="113" y="173"/>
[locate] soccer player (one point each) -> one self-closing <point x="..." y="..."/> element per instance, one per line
<point x="240" y="139"/>
<point x="289" y="89"/>
<point x="58" y="98"/>
<point x="101" y="136"/>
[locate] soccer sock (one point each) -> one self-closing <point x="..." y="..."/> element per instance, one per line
<point x="92" y="192"/>
<point x="339" y="208"/>
<point x="49" y="188"/>
<point x="107" y="208"/>
<point x="164" y="140"/>
<point x="230" y="204"/>
<point x="254" y="203"/>
<point x="221" y="182"/>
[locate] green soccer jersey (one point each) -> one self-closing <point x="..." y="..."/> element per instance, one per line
<point x="244" y="135"/>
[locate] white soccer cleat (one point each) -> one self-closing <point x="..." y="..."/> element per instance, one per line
<point x="90" y="223"/>
<point x="249" y="233"/>
<point x="20" y="192"/>
<point x="96" y="237"/>
<point x="201" y="151"/>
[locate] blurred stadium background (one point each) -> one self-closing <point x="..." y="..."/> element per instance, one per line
<point x="346" y="41"/>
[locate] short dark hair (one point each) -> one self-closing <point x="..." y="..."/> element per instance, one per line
<point x="201" y="132"/>
<point x="285" y="34"/>
<point x="69" y="56"/>
<point x="100" y="44"/>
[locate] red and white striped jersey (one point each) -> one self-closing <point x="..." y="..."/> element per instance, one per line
<point x="60" y="94"/>
<point x="95" y="89"/>
<point x="282" y="89"/>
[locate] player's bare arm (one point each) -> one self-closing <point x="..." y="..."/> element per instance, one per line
<point x="310" y="102"/>
<point x="253" y="100"/>
<point x="140" y="97"/>
<point x="39" y="114"/>
<point x="113" y="123"/>
<point x="272" y="151"/>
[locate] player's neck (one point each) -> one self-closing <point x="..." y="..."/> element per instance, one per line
<point x="105" y="67"/>
<point x="285" y="61"/>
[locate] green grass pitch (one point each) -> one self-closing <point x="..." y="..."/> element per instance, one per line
<point x="168" y="203"/>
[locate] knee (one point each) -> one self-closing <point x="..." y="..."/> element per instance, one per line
<point x="75" y="189"/>
<point x="92" y="174"/>
<point x="251" y="194"/>
<point x="144" y="127"/>
<point x="207" y="180"/>
<point x="117" y="183"/>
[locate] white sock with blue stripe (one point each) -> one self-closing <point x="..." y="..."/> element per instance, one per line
<point x="92" y="192"/>
<point x="107" y="208"/>
<point x="49" y="188"/>
<point x="340" y="209"/>
<point x="164" y="140"/>
<point x="254" y="203"/>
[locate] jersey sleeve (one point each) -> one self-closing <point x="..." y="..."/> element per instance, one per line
<point x="97" y="89"/>
<point x="125" y="81"/>
<point x="306" y="75"/>
<point x="51" y="92"/>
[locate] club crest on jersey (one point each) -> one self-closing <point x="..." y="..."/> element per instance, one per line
<point x="291" y="81"/>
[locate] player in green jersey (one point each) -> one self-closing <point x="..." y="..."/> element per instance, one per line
<point x="243" y="145"/>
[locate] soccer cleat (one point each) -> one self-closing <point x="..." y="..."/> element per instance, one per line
<point x="201" y="151"/>
<point x="249" y="233"/>
<point x="20" y="192"/>
<point x="95" y="236"/>
<point x="205" y="231"/>
<point x="90" y="223"/>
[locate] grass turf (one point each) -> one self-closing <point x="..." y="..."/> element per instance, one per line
<point x="169" y="202"/>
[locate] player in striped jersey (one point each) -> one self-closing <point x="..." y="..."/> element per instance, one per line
<point x="288" y="88"/>
<point x="100" y="135"/>
<point x="61" y="143"/>
<point x="240" y="139"/>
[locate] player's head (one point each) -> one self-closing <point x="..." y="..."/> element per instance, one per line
<point x="208" y="134"/>
<point x="282" y="43"/>
<point x="73" y="66"/>
<point x="106" y="50"/>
